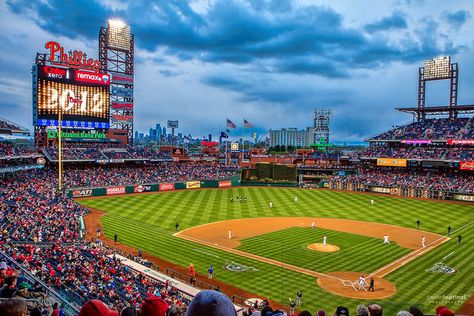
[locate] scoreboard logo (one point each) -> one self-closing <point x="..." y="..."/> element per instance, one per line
<point x="90" y="77"/>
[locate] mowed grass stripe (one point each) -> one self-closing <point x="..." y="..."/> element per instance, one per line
<point x="413" y="283"/>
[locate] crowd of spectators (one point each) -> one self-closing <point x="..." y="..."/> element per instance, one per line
<point x="438" y="129"/>
<point x="453" y="182"/>
<point x="8" y="150"/>
<point x="153" y="173"/>
<point x="419" y="152"/>
<point x="84" y="151"/>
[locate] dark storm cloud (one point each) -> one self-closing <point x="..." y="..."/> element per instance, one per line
<point x="284" y="37"/>
<point x="456" y="19"/>
<point x="395" y="21"/>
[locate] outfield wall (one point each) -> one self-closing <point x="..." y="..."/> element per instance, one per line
<point x="402" y="191"/>
<point x="156" y="187"/>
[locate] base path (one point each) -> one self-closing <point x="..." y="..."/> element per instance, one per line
<point x="341" y="283"/>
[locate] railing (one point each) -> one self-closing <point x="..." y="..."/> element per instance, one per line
<point x="185" y="278"/>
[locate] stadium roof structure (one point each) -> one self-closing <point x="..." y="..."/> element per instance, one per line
<point x="9" y="128"/>
<point x="438" y="110"/>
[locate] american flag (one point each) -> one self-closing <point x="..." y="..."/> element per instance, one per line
<point x="231" y="124"/>
<point x="247" y="124"/>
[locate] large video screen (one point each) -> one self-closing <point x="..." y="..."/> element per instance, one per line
<point x="82" y="97"/>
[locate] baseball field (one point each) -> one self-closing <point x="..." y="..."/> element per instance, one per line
<point x="274" y="251"/>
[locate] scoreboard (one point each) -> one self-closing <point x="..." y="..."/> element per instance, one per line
<point x="82" y="97"/>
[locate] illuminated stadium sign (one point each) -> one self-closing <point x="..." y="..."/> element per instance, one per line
<point x="82" y="97"/>
<point x="118" y="35"/>
<point x="437" y="68"/>
<point x="72" y="59"/>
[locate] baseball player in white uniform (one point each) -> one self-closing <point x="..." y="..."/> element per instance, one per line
<point x="386" y="240"/>
<point x="324" y="240"/>
<point x="372" y="202"/>
<point x="270" y="204"/>
<point x="230" y="234"/>
<point x="361" y="282"/>
<point x="423" y="241"/>
<point x="296" y="199"/>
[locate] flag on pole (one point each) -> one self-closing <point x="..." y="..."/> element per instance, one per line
<point x="231" y="124"/>
<point x="247" y="124"/>
<point x="224" y="135"/>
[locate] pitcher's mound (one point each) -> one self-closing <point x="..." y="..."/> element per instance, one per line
<point x="323" y="248"/>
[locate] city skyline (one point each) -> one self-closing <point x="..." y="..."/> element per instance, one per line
<point x="272" y="63"/>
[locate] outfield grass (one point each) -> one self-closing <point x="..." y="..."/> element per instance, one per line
<point x="147" y="221"/>
<point x="357" y="253"/>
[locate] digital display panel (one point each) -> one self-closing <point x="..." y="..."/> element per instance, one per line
<point x="118" y="35"/>
<point x="79" y="96"/>
<point x="437" y="68"/>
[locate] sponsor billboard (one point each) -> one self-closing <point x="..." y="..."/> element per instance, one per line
<point x="391" y="162"/>
<point x="381" y="190"/>
<point x="193" y="184"/>
<point x="81" y="193"/>
<point x="121" y="92"/>
<point x="141" y="188"/>
<point x="172" y="124"/>
<point x="166" y="187"/>
<point x="118" y="118"/>
<point x="234" y="146"/>
<point x="121" y="78"/>
<point x="461" y="142"/>
<point x="115" y="190"/>
<point x="463" y="197"/>
<point x="416" y="141"/>
<point x="466" y="165"/>
<point x="122" y="106"/>
<point x="225" y="184"/>
<point x="92" y="77"/>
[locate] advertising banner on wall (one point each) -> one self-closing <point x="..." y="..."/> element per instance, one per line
<point x="225" y="184"/>
<point x="166" y="187"/>
<point x="81" y="193"/>
<point x="121" y="78"/>
<point x="115" y="190"/>
<point x="463" y="197"/>
<point x="391" y="162"/>
<point x="122" y="106"/>
<point x="118" y="118"/>
<point x="381" y="190"/>
<point x="466" y="165"/>
<point x="141" y="188"/>
<point x="193" y="184"/>
<point x="460" y="141"/>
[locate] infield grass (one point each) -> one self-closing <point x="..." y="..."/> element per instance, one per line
<point x="147" y="221"/>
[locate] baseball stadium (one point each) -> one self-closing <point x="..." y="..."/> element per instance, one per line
<point x="94" y="222"/>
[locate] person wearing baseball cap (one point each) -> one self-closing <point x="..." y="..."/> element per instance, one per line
<point x="444" y="311"/>
<point x="211" y="303"/>
<point x="96" y="308"/>
<point x="342" y="311"/>
<point x="154" y="306"/>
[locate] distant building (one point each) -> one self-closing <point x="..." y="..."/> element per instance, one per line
<point x="291" y="137"/>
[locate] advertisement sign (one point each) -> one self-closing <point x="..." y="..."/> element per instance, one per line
<point x="122" y="106"/>
<point x="177" y="151"/>
<point x="234" y="146"/>
<point x="82" y="135"/>
<point x="466" y="165"/>
<point x="72" y="124"/>
<point x="142" y="188"/>
<point x="81" y="193"/>
<point x="115" y="190"/>
<point x="166" y="187"/>
<point x="91" y="77"/>
<point x="209" y="144"/>
<point x="391" y="162"/>
<point x="461" y="142"/>
<point x="54" y="73"/>
<point x="463" y="197"/>
<point x="193" y="184"/>
<point x="172" y="124"/>
<point x="381" y="190"/>
<point x="225" y="184"/>
<point x="121" y="78"/>
<point x="118" y="118"/>
<point x="416" y="141"/>
<point x="121" y="92"/>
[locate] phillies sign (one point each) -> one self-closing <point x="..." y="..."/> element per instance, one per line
<point x="75" y="59"/>
<point x="91" y="77"/>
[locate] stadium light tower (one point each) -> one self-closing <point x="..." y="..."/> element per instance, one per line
<point x="116" y="55"/>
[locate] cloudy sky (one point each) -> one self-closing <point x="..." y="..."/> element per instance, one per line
<point x="271" y="62"/>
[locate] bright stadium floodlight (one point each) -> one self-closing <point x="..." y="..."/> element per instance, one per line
<point x="118" y="35"/>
